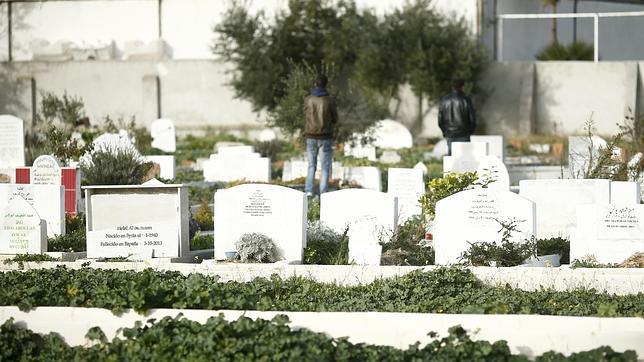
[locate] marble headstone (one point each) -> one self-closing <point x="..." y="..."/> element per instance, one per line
<point x="12" y="142"/>
<point x="625" y="192"/>
<point x="392" y="134"/>
<point x="492" y="168"/>
<point x="21" y="229"/>
<point x="367" y="177"/>
<point x="163" y="135"/>
<point x="407" y="185"/>
<point x="582" y="153"/>
<point x="466" y="156"/>
<point x="496" y="145"/>
<point x="45" y="171"/>
<point x="167" y="164"/>
<point x="48" y="200"/>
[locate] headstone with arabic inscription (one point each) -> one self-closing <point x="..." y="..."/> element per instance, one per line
<point x="22" y="231"/>
<point x="407" y="185"/>
<point x="12" y="142"/>
<point x="48" y="200"/>
<point x="45" y="171"/>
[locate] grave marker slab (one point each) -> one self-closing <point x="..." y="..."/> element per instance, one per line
<point x="167" y="164"/>
<point x="390" y="156"/>
<point x="493" y="168"/>
<point x="163" y="135"/>
<point x="407" y="185"/>
<point x="625" y="192"/>
<point x="141" y="220"/>
<point x="557" y="202"/>
<point x="45" y="171"/>
<point x="48" y="200"/>
<point x="391" y="134"/>
<point x="368" y="177"/>
<point x="12" y="142"/>
<point x="496" y="144"/>
<point x="471" y="216"/>
<point x="582" y="153"/>
<point x="360" y="151"/>
<point x="21" y="229"/>
<point x="275" y="211"/>
<point x="465" y="156"/>
<point x="610" y="233"/>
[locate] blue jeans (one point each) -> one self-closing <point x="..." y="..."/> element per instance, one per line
<point x="312" y="148"/>
<point x="455" y="139"/>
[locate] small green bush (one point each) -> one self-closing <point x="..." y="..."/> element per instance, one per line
<point x="406" y="246"/>
<point x="573" y="51"/>
<point x="448" y="185"/>
<point x="503" y="254"/>
<point x="22" y="258"/>
<point x="74" y="238"/>
<point x="324" y="246"/>
<point x="204" y="217"/>
<point x="313" y="213"/>
<point x="114" y="166"/>
<point x="201" y="242"/>
<point x="256" y="248"/>
<point x="557" y="245"/>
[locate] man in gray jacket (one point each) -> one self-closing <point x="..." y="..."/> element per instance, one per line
<point x="456" y="116"/>
<point x="320" y="115"/>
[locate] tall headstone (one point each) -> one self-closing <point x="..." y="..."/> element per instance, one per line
<point x="369" y="216"/>
<point x="367" y="177"/>
<point x="163" y="135"/>
<point x="625" y="192"/>
<point x="407" y="185"/>
<point x="167" y="164"/>
<point x="45" y="171"/>
<point x="492" y="168"/>
<point x="557" y="202"/>
<point x="21" y="229"/>
<point x="496" y="145"/>
<point x="12" y="142"/>
<point x="275" y="211"/>
<point x="48" y="200"/>
<point x="473" y="216"/>
<point x="609" y="233"/>
<point x="582" y="154"/>
<point x="392" y="134"/>
<point x="465" y="157"/>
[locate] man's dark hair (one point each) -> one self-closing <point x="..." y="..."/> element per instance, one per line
<point x="321" y="81"/>
<point x="458" y="83"/>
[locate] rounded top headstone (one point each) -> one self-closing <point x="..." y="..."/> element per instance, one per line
<point x="12" y="142"/>
<point x="392" y="134"/>
<point x="45" y="171"/>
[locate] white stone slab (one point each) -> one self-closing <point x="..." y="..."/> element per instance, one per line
<point x="298" y="168"/>
<point x="360" y="151"/>
<point x="408" y="186"/>
<point x="275" y="211"/>
<point x="21" y="229"/>
<point x="392" y="134"/>
<point x="440" y="149"/>
<point x="166" y="163"/>
<point x="625" y="192"/>
<point x="164" y="136"/>
<point x="390" y="156"/>
<point x="12" y="142"/>
<point x="496" y="144"/>
<point x="45" y="171"/>
<point x="144" y="220"/>
<point x="48" y="200"/>
<point x="236" y="150"/>
<point x="422" y="167"/>
<point x="267" y="135"/>
<point x="582" y="153"/>
<point x="232" y="168"/>
<point x="368" y="177"/>
<point x="610" y="233"/>
<point x="369" y="215"/>
<point x="471" y="216"/>
<point x="466" y="157"/>
<point x="557" y="202"/>
<point x="491" y="167"/>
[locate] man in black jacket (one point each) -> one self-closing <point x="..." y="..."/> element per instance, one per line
<point x="456" y="116"/>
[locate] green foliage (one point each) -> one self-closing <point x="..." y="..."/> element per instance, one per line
<point x="324" y="246"/>
<point x="313" y="213"/>
<point x="440" y="188"/>
<point x="406" y="246"/>
<point x="201" y="242"/>
<point x="503" y="254"/>
<point x="193" y="147"/>
<point x="74" y="238"/>
<point x="256" y="248"/>
<point x="442" y="290"/>
<point x="204" y="217"/>
<point x="114" y="166"/>
<point x="590" y="262"/>
<point x="181" y="339"/>
<point x="184" y="175"/>
<point x="22" y="258"/>
<point x="573" y="51"/>
<point x="141" y="135"/>
<point x="556" y="245"/>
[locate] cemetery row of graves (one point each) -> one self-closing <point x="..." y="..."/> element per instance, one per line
<point x="239" y="204"/>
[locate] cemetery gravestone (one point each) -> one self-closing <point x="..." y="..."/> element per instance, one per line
<point x="21" y="229"/>
<point x="609" y="233"/>
<point x="144" y="221"/>
<point x="440" y="149"/>
<point x="492" y="168"/>
<point x="229" y="165"/>
<point x="625" y="192"/>
<point x="392" y="134"/>
<point x="465" y="157"/>
<point x="45" y="171"/>
<point x="48" y="200"/>
<point x="407" y="185"/>
<point x="390" y="157"/>
<point x="360" y="151"/>
<point x="421" y="166"/>
<point x="582" y="154"/>
<point x="275" y="211"/>
<point x="167" y="164"/>
<point x="472" y="216"/>
<point x="163" y="135"/>
<point x="367" y="177"/>
<point x="369" y="215"/>
<point x="557" y="202"/>
<point x="496" y="145"/>
<point x="12" y="142"/>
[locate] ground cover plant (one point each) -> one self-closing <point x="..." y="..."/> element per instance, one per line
<point x="74" y="238"/>
<point x="172" y="339"/>
<point x="443" y="290"/>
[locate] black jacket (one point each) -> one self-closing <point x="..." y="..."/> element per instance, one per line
<point x="456" y="116"/>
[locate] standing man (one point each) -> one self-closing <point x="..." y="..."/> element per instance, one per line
<point x="456" y="116"/>
<point x="321" y="115"/>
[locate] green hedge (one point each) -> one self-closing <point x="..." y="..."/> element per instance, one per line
<point x="443" y="290"/>
<point x="180" y="339"/>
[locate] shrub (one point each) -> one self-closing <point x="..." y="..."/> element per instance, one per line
<point x="573" y="51"/>
<point x="556" y="245"/>
<point x="440" y="188"/>
<point x="204" y="217"/>
<point x="313" y="213"/>
<point x="256" y="248"/>
<point x="407" y="246"/>
<point x="503" y="254"/>
<point x="114" y="166"/>
<point x="201" y="242"/>
<point x="324" y="246"/>
<point x="74" y="239"/>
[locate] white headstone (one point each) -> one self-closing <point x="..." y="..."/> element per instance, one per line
<point x="465" y="157"/>
<point x="360" y="151"/>
<point x="148" y="220"/>
<point x="625" y="192"/>
<point x="12" y="142"/>
<point x="267" y="135"/>
<point x="45" y="171"/>
<point x="610" y="233"/>
<point x="496" y="145"/>
<point x="390" y="156"/>
<point x="48" y="200"/>
<point x="231" y="166"/>
<point x="440" y="149"/>
<point x="582" y="153"/>
<point x="166" y="163"/>
<point x="21" y="229"/>
<point x="557" y="202"/>
<point x="369" y="215"/>
<point x="223" y="144"/>
<point x="163" y="135"/>
<point x="471" y="216"/>
<point x="392" y="134"/>
<point x="491" y="167"/>
<point x="422" y="167"/>
<point x="407" y="185"/>
<point x="367" y="177"/>
<point x="236" y="151"/>
<point x="275" y="211"/>
<point x="295" y="169"/>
